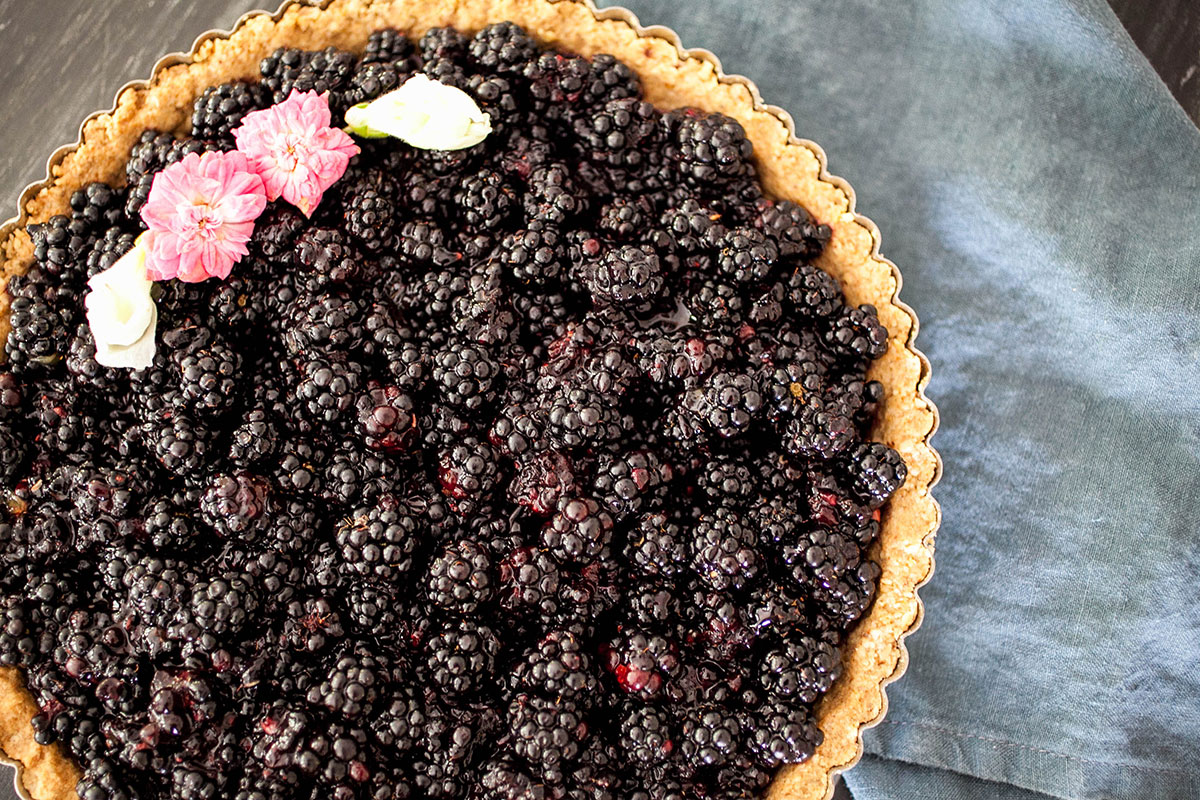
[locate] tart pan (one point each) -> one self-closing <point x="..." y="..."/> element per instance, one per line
<point x="789" y="167"/>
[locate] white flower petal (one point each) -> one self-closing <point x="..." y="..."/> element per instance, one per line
<point x="425" y="114"/>
<point x="121" y="313"/>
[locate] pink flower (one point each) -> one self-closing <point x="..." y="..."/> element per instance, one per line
<point x="200" y="214"/>
<point x="292" y="146"/>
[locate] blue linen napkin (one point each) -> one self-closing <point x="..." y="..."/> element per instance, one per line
<point x="1038" y="187"/>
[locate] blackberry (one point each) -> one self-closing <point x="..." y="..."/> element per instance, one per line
<point x="462" y="657"/>
<point x="224" y="604"/>
<point x="877" y="472"/>
<point x="311" y="625"/>
<point x="189" y="783"/>
<point x="610" y="79"/>
<point x="326" y="257"/>
<point x="541" y="480"/>
<point x="466" y="375"/>
<point x="533" y="255"/>
<point x="715" y="306"/>
<point x="502" y="47"/>
<point x="253" y="441"/>
<point x="626" y="483"/>
<point x="239" y="306"/>
<point x="558" y="668"/>
<point x="220" y="109"/>
<point x="658" y="544"/>
<point x="552" y="195"/>
<point x="460" y="578"/>
<point x="379" y="541"/>
<point x="207" y="376"/>
<point x="617" y="133"/>
<point x="777" y="520"/>
<point x="794" y="230"/>
<point x="726" y="482"/>
<point x="234" y="504"/>
<point x="577" y="417"/>
<point x="855" y="334"/>
<point x="626" y="275"/>
<point x="370" y="219"/>
<point x="646" y="736"/>
<point x="319" y="71"/>
<point x="706" y="149"/>
<point x="386" y="420"/>
<point x="351" y="687"/>
<point x="98" y="206"/>
<point x="682" y="358"/>
<point x="39" y="337"/>
<point x="300" y="467"/>
<point x="423" y="242"/>
<point x="746" y="256"/>
<point x="389" y="46"/>
<point x="641" y="663"/>
<point x="693" y="227"/>
<point x="728" y="404"/>
<point x="800" y="669"/>
<point x="788" y="384"/>
<point x="327" y="388"/>
<point x="275" y="232"/>
<point x="651" y="603"/>
<point x="546" y="733"/>
<point x="468" y="473"/>
<point x="817" y="429"/>
<point x="13" y="452"/>
<point x="529" y="581"/>
<point x="857" y="398"/>
<point x="179" y="441"/>
<point x="401" y="723"/>
<point x="58" y="245"/>
<point x="709" y="736"/>
<point x="371" y="80"/>
<point x="107" y="250"/>
<point x="578" y="532"/>
<point x="356" y="475"/>
<point x="624" y="218"/>
<point x="324" y="324"/>
<point x="724" y="553"/>
<point x="484" y="199"/>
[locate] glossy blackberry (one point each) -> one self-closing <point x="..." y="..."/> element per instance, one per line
<point x="552" y="195"/>
<point x="40" y="334"/>
<point x="461" y="577"/>
<point x="658" y="545"/>
<point x="275" y="232"/>
<point x="319" y="71"/>
<point x="462" y="657"/>
<point x="800" y="669"/>
<point x="58" y="245"/>
<point x="224" y="604"/>
<point x="617" y="133"/>
<point x="386" y="419"/>
<point x="502" y="47"/>
<point x="646" y="736"/>
<point x="326" y="257"/>
<point x="13" y="452"/>
<point x="327" y="388"/>
<point x="179" y="441"/>
<point x="706" y="149"/>
<point x="630" y="482"/>
<point x="793" y="229"/>
<point x="207" y="376"/>
<point x="578" y="532"/>
<point x="379" y="541"/>
<point x="727" y="482"/>
<point x="533" y="255"/>
<point x="469" y="473"/>
<point x="466" y="375"/>
<point x="715" y="306"/>
<point x="558" y="667"/>
<point x="351" y="687"/>
<point x="626" y="275"/>
<point x="389" y="46"/>
<point x="725" y="553"/>
<point x="370" y="219"/>
<point x="610" y="79"/>
<point x="235" y="504"/>
<point x="746" y="256"/>
<point x="641" y="663"/>
<point x="546" y="733"/>
<point x="540" y="480"/>
<point x="484" y="199"/>
<point x="220" y="109"/>
<point x="578" y="417"/>
<point x="529" y="582"/>
<point x="326" y="323"/>
<point x="817" y="429"/>
<point x="728" y="404"/>
<point x="788" y="384"/>
<point x="856" y="334"/>
<point x="877" y="472"/>
<point x="372" y="80"/>
<point x="98" y="206"/>
<point x="709" y="736"/>
<point x="624" y="218"/>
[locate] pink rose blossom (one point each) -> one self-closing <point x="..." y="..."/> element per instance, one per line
<point x="292" y="146"/>
<point x="200" y="214"/>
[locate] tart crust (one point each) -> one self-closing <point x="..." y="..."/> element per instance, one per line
<point x="789" y="168"/>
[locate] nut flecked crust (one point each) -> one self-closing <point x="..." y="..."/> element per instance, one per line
<point x="789" y="168"/>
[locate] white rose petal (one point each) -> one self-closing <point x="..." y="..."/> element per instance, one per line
<point x="425" y="114"/>
<point x="121" y="312"/>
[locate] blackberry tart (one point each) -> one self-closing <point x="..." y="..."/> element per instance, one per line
<point x="588" y="458"/>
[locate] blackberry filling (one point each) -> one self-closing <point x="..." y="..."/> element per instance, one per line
<point x="536" y="469"/>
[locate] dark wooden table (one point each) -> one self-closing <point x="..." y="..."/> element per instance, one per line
<point x="100" y="45"/>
